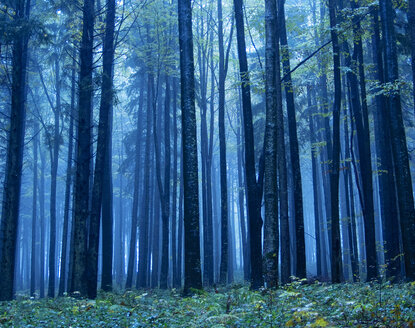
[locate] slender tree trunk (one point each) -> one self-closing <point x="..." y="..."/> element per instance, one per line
<point x="222" y="150"/>
<point x="316" y="194"/>
<point x="34" y="211"/>
<point x="134" y="214"/>
<point x="164" y="190"/>
<point x="54" y="161"/>
<point x="273" y="98"/>
<point x="143" y="262"/>
<point x="336" y="262"/>
<point x="294" y="149"/>
<point x="42" y="224"/>
<point x="193" y="277"/>
<point x="254" y="187"/>
<point x="174" y="224"/>
<point x="68" y="184"/>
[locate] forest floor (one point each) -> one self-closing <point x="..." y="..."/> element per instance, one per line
<point x="295" y="305"/>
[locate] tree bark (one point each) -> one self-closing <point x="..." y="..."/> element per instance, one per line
<point x="273" y="97"/>
<point x="254" y="187"/>
<point x="83" y="166"/>
<point x="193" y="278"/>
<point x="336" y="259"/>
<point x="14" y="159"/>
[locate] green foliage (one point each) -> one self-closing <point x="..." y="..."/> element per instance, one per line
<point x="295" y="305"/>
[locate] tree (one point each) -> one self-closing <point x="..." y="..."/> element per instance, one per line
<point x="336" y="263"/>
<point x="14" y="160"/>
<point x="300" y="264"/>
<point x="83" y="171"/>
<point x="254" y="186"/>
<point x="222" y="150"/>
<point x="273" y="100"/>
<point x="193" y="278"/>
<point x="398" y="140"/>
<point x="102" y="157"/>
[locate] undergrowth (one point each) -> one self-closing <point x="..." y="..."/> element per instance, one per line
<point x="295" y="305"/>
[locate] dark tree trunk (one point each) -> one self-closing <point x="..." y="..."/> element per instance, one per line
<point x="42" y="224"/>
<point x="83" y="166"/>
<point x="102" y="154"/>
<point x="254" y="187"/>
<point x="294" y="150"/>
<point x="241" y="208"/>
<point x="387" y="185"/>
<point x="336" y="261"/>
<point x="222" y="151"/>
<point x="68" y="184"/>
<point x="174" y="224"/>
<point x="137" y="169"/>
<point x="193" y="277"/>
<point x="33" y="269"/>
<point x="411" y="23"/>
<point x="54" y="161"/>
<point x="14" y="159"/>
<point x="273" y="101"/>
<point x="398" y="140"/>
<point x="163" y="188"/>
<point x="143" y="263"/>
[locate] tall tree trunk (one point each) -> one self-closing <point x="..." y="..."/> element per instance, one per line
<point x="54" y="161"/>
<point x="301" y="271"/>
<point x="241" y="207"/>
<point x="387" y="185"/>
<point x="316" y="193"/>
<point x="336" y="262"/>
<point x="193" y="277"/>
<point x="34" y="211"/>
<point x="68" y="184"/>
<point x="254" y="187"/>
<point x="222" y="150"/>
<point x="164" y="188"/>
<point x="102" y="154"/>
<point x="136" y="192"/>
<point x="398" y="140"/>
<point x="174" y="224"/>
<point x="83" y="166"/>
<point x="14" y="159"/>
<point x="411" y="23"/>
<point x="273" y="100"/>
<point x="42" y="224"/>
<point x="142" y="278"/>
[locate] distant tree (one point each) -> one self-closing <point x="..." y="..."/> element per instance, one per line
<point x="193" y="278"/>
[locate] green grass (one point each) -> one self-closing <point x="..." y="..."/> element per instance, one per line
<point x="295" y="305"/>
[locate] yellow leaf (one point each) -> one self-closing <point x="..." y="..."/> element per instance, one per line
<point x="320" y="322"/>
<point x="290" y="323"/>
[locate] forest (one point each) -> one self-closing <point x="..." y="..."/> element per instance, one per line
<point x="207" y="163"/>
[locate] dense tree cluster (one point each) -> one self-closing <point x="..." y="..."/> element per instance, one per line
<point x="171" y="144"/>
